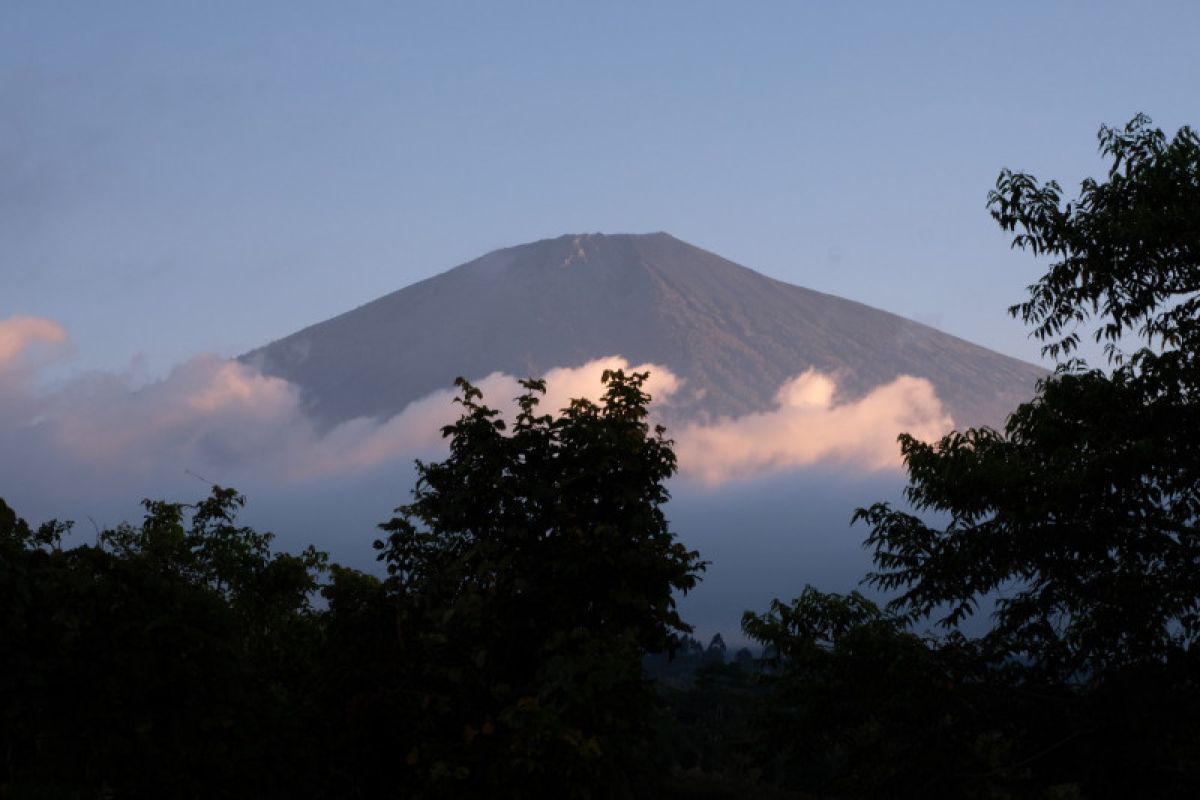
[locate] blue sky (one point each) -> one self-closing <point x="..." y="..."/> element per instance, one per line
<point x="178" y="178"/>
<point x="182" y="178"/>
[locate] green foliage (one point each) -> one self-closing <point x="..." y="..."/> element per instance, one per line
<point x="531" y="572"/>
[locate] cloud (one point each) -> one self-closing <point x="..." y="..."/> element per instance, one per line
<point x="363" y="443"/>
<point x="21" y="336"/>
<point x="810" y="425"/>
<point x="104" y="433"/>
<point x="207" y="411"/>
<point x="26" y="345"/>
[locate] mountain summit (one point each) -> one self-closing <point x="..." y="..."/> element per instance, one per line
<point x="733" y="334"/>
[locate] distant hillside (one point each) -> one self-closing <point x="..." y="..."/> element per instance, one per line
<point x="735" y="335"/>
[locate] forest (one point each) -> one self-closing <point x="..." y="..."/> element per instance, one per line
<point x="521" y="637"/>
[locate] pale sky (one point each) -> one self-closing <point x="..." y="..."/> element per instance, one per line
<point x="178" y="178"/>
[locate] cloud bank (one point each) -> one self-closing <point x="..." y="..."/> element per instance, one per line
<point x="102" y="433"/>
<point x="366" y="443"/>
<point x="809" y="425"/>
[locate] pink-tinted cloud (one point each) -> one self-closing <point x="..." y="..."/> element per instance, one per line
<point x="810" y="425"/>
<point x="565" y="383"/>
<point x="207" y="411"/>
<point x="105" y="432"/>
<point x="21" y="335"/>
<point x="363" y="444"/>
<point x="26" y="345"/>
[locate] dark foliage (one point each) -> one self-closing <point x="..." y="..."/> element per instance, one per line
<point x="859" y="706"/>
<point x="1083" y="512"/>
<point x="531" y="573"/>
<point x="1080" y="518"/>
<point x="159" y="662"/>
<point x="528" y="579"/>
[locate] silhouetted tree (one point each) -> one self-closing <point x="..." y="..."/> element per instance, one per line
<point x="166" y="660"/>
<point x="531" y="572"/>
<point x="859" y="706"/>
<point x="1080" y="518"/>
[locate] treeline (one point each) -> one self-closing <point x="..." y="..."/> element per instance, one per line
<point x="180" y="658"/>
<point x="524" y="641"/>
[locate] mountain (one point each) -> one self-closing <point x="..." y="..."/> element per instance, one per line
<point x="735" y="335"/>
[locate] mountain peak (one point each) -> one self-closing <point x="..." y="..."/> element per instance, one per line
<point x="735" y="336"/>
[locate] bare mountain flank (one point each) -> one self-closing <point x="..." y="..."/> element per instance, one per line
<point x="733" y="334"/>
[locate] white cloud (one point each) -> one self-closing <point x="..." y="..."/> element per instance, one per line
<point x="102" y="433"/>
<point x="362" y="443"/>
<point x="809" y="425"/>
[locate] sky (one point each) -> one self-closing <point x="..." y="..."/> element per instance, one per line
<point x="183" y="182"/>
<point x="178" y="178"/>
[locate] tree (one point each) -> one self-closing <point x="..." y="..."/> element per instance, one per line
<point x="165" y="660"/>
<point x="1080" y="517"/>
<point x="1084" y="510"/>
<point x="859" y="706"/>
<point x="531" y="573"/>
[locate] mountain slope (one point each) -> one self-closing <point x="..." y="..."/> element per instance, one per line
<point x="734" y="335"/>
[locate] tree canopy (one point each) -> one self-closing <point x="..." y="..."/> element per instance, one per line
<point x="533" y="570"/>
<point x="164" y="660"/>
<point x="1080" y="517"/>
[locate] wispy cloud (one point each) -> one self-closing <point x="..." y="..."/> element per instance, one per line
<point x="21" y="336"/>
